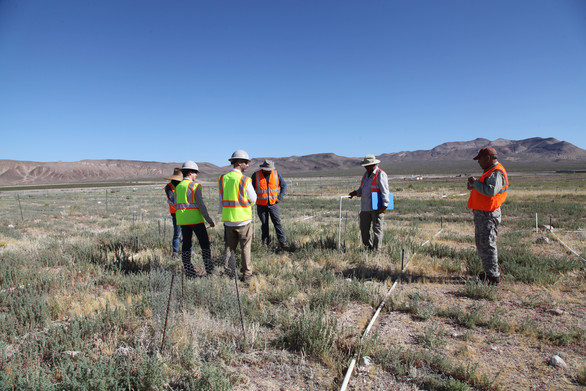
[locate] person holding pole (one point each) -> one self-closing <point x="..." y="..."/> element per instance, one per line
<point x="237" y="196"/>
<point x="270" y="189"/>
<point x="487" y="194"/>
<point x="191" y="213"/>
<point x="374" y="194"/>
<point x="171" y="199"/>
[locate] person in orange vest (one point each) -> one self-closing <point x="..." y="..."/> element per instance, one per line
<point x="487" y="194"/>
<point x="170" y="193"/>
<point x="374" y="194"/>
<point x="270" y="189"/>
<point x="237" y="197"/>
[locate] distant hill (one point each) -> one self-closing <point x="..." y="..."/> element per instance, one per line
<point x="533" y="153"/>
<point x="531" y="149"/>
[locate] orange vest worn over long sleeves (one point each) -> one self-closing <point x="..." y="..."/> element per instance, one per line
<point x="480" y="201"/>
<point x="171" y="201"/>
<point x="267" y="191"/>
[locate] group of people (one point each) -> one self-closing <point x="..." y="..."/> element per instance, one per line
<point x="237" y="194"/>
<point x="266" y="188"/>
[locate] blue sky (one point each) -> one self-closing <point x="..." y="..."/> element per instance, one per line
<point x="195" y="80"/>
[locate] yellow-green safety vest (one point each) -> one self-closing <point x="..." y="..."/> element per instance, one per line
<point x="236" y="207"/>
<point x="186" y="208"/>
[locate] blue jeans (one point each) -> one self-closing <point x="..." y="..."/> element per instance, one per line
<point x="176" y="234"/>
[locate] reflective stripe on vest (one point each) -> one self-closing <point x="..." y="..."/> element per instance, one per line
<point x="235" y="204"/>
<point x="480" y="201"/>
<point x="374" y="187"/>
<point x="267" y="194"/>
<point x="187" y="210"/>
<point x="171" y="201"/>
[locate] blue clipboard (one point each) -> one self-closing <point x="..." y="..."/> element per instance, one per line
<point x="378" y="200"/>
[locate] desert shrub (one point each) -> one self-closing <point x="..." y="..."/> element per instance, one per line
<point x="432" y="371"/>
<point x="311" y="332"/>
<point x="212" y="378"/>
<point x="476" y="290"/>
<point x="432" y="337"/>
<point x="341" y="293"/>
<point x="522" y="265"/>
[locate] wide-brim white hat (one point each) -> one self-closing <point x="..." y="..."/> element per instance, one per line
<point x="369" y="160"/>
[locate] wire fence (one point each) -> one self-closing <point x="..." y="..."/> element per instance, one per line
<point x="142" y="216"/>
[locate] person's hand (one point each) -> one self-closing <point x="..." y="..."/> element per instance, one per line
<point x="212" y="224"/>
<point x="382" y="209"/>
<point x="353" y="194"/>
<point x="471" y="180"/>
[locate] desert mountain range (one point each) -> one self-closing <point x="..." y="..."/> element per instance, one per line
<point x="452" y="156"/>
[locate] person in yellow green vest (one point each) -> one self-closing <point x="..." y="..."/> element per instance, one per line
<point x="270" y="189"/>
<point x="487" y="194"/>
<point x="191" y="214"/>
<point x="171" y="199"/>
<point x="236" y="199"/>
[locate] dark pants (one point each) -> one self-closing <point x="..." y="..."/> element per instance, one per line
<point x="264" y="211"/>
<point x="204" y="242"/>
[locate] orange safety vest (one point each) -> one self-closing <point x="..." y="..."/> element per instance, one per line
<point x="374" y="187"/>
<point x="171" y="201"/>
<point x="267" y="194"/>
<point x="480" y="201"/>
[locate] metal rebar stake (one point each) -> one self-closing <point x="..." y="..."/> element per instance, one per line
<point x="167" y="314"/>
<point x="239" y="301"/>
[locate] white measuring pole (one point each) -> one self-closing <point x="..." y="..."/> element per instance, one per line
<point x="536" y="224"/>
<point x="340" y="222"/>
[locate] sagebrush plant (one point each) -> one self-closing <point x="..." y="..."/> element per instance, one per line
<point x="479" y="290"/>
<point x="86" y="296"/>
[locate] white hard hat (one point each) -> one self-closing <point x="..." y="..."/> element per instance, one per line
<point x="239" y="155"/>
<point x="190" y="165"/>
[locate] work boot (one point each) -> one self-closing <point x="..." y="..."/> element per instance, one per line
<point x="207" y="261"/>
<point x="187" y="265"/>
<point x="229" y="272"/>
<point x="246" y="279"/>
<point x="483" y="277"/>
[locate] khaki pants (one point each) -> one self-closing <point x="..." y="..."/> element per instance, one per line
<point x="376" y="220"/>
<point x="233" y="236"/>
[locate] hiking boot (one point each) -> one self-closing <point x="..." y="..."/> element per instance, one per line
<point x="229" y="272"/>
<point x="246" y="279"/>
<point x="483" y="277"/>
<point x="282" y="247"/>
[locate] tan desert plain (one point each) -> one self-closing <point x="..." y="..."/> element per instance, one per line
<point x="91" y="299"/>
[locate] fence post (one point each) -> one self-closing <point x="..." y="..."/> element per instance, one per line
<point x="167" y="314"/>
<point x="340" y="221"/>
<point x="238" y="296"/>
<point x="20" y="206"/>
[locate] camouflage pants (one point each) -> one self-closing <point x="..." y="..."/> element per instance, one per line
<point x="485" y="232"/>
